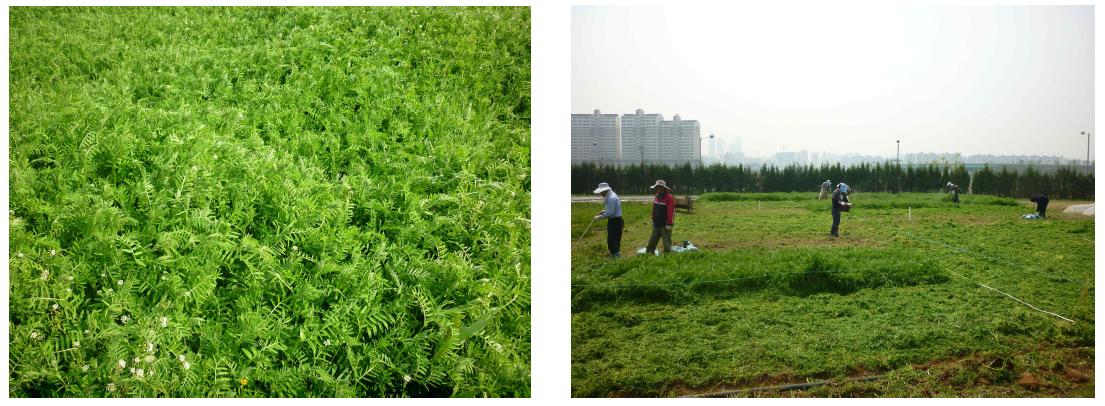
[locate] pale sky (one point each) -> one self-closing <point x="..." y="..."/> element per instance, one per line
<point x="981" y="79"/>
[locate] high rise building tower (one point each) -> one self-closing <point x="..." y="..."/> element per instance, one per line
<point x="634" y="139"/>
<point x="596" y="137"/>
<point x="640" y="134"/>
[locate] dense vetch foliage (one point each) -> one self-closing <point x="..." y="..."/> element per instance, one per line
<point x="269" y="202"/>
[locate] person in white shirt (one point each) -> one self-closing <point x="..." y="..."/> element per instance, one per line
<point x="613" y="213"/>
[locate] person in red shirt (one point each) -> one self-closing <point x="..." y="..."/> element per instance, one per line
<point x="663" y="217"/>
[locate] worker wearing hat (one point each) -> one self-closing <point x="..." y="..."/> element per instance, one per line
<point x="840" y="203"/>
<point x="825" y="189"/>
<point x="663" y="217"/>
<point x="613" y="213"/>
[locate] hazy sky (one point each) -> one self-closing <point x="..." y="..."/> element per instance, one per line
<point x="982" y="79"/>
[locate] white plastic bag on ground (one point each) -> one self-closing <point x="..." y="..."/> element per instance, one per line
<point x="686" y="246"/>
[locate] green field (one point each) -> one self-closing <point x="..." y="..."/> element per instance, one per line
<point x="771" y="299"/>
<point x="309" y="202"/>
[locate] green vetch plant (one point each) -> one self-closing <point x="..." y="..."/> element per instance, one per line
<point x="269" y="202"/>
<point x="770" y="299"/>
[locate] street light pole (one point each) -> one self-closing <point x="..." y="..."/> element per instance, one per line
<point x="700" y="147"/>
<point x="898" y="161"/>
<point x="1087" y="134"/>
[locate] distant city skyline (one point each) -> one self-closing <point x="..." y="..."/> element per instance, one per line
<point x="1001" y="80"/>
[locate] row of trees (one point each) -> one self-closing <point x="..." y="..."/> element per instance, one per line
<point x="1064" y="183"/>
<point x="878" y="177"/>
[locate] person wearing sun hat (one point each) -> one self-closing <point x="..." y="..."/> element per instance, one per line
<point x="663" y="217"/>
<point x="953" y="190"/>
<point x="840" y="203"/>
<point x="825" y="189"/>
<point x="613" y="213"/>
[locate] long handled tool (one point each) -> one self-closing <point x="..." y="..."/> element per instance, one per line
<point x="584" y="233"/>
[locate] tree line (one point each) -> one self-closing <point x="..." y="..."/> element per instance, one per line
<point x="1066" y="183"/>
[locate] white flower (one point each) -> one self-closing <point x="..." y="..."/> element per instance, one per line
<point x="149" y="347"/>
<point x="406" y="378"/>
<point x="164" y="321"/>
<point x="110" y="290"/>
<point x="132" y="370"/>
<point x="68" y="290"/>
<point x="119" y="282"/>
<point x="45" y="275"/>
<point x="150" y="373"/>
<point x="136" y="360"/>
<point x="53" y="252"/>
<point x="34" y="335"/>
<point x="187" y="365"/>
<point x="122" y="364"/>
<point x="188" y="293"/>
<point x="103" y="274"/>
<point x="84" y="368"/>
<point x="140" y="373"/>
<point x="86" y="331"/>
<point x="193" y="167"/>
<point x="124" y="319"/>
<point x="327" y="342"/>
<point x="295" y="248"/>
<point x="54" y="307"/>
<point x="76" y="344"/>
<point x="111" y="387"/>
<point x="150" y="359"/>
<point x="19" y="254"/>
<point x="69" y="278"/>
<point x="214" y="157"/>
<point x="181" y="358"/>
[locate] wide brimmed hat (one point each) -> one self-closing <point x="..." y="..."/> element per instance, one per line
<point x="660" y="183"/>
<point x="602" y="188"/>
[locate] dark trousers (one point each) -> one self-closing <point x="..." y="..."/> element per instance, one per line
<point x="614" y="228"/>
<point x="836" y="221"/>
<point x="659" y="232"/>
<point x="1042" y="209"/>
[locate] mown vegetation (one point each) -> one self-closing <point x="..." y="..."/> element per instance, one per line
<point x="1066" y="183"/>
<point x="269" y="202"/>
<point x="772" y="299"/>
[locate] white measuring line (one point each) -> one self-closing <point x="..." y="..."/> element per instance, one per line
<point x="965" y="251"/>
<point x="1012" y="297"/>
